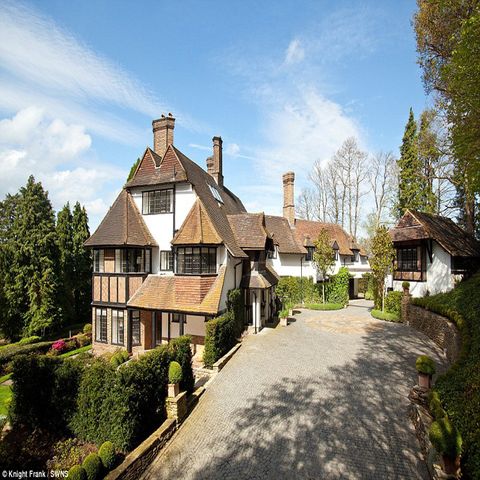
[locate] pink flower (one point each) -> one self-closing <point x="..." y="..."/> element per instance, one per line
<point x="59" y="346"/>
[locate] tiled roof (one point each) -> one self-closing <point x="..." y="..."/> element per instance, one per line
<point x="260" y="279"/>
<point x="249" y="230"/>
<point x="280" y="231"/>
<point x="307" y="231"/>
<point x="417" y="225"/>
<point x="122" y="225"/>
<point x="197" y="228"/>
<point x="189" y="294"/>
<point x="153" y="170"/>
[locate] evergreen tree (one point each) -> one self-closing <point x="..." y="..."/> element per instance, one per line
<point x="65" y="247"/>
<point x="32" y="282"/>
<point x="132" y="169"/>
<point x="82" y="264"/>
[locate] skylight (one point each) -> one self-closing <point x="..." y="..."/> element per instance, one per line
<point x="215" y="194"/>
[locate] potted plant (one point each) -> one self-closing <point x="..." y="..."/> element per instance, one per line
<point x="174" y="378"/>
<point x="283" y="317"/>
<point x="425" y="368"/>
<point x="448" y="443"/>
<point x="406" y="287"/>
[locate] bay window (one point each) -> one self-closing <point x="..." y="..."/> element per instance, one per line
<point x="196" y="260"/>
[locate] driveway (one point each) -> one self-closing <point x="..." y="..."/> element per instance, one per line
<point x="324" y="398"/>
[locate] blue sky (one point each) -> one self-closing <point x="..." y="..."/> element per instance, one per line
<point x="283" y="83"/>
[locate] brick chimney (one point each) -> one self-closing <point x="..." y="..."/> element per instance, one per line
<point x="288" y="197"/>
<point x="215" y="162"/>
<point x="163" y="133"/>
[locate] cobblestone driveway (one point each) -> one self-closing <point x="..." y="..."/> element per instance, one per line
<point x="324" y="398"/>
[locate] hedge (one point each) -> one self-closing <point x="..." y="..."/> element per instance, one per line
<point x="324" y="306"/>
<point x="393" y="303"/>
<point x="338" y="286"/>
<point x="125" y="405"/>
<point x="389" y="317"/>
<point x="459" y="388"/>
<point x="294" y="290"/>
<point x="44" y="391"/>
<point x="9" y="352"/>
<point x="219" y="338"/>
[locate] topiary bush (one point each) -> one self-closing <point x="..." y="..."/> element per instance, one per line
<point x="87" y="328"/>
<point x="77" y="472"/>
<point x="107" y="455"/>
<point x="393" y="303"/>
<point x="29" y="340"/>
<point x="92" y="466"/>
<point x="405" y="285"/>
<point x="338" y="287"/>
<point x="174" y="372"/>
<point x="435" y="405"/>
<point x="181" y="352"/>
<point x="445" y="438"/>
<point x="424" y="364"/>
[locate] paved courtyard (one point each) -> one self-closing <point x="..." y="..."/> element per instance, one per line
<point x="324" y="398"/>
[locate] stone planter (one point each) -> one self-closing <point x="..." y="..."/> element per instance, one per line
<point x="284" y="322"/>
<point x="173" y="389"/>
<point x="451" y="465"/>
<point x="424" y="380"/>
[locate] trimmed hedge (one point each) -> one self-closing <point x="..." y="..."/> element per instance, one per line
<point x="389" y="317"/>
<point x="174" y="372"/>
<point x="324" y="306"/>
<point x="182" y="353"/>
<point x="459" y="388"/>
<point x="294" y="290"/>
<point x="219" y="338"/>
<point x="92" y="466"/>
<point x="44" y="391"/>
<point x="107" y="455"/>
<point x="393" y="303"/>
<point x="338" y="286"/>
<point x="445" y="437"/>
<point x="77" y="472"/>
<point x="9" y="352"/>
<point x="424" y="364"/>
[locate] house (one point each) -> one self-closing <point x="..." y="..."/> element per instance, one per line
<point x="432" y="253"/>
<point x="294" y="243"/>
<point x="173" y="244"/>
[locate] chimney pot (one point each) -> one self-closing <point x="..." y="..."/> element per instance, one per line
<point x="288" y="197"/>
<point x="163" y="133"/>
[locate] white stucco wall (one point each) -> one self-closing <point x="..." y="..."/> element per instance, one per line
<point x="230" y="281"/>
<point x="439" y="276"/>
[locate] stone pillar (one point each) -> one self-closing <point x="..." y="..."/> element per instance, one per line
<point x="163" y="133"/>
<point x="177" y="406"/>
<point x="405" y="305"/>
<point x="288" y="197"/>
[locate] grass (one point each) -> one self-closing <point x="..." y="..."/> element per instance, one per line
<point x="323" y="306"/>
<point x="5" y="398"/>
<point x="5" y="378"/>
<point x="86" y="348"/>
<point x="459" y="388"/>
<point x="389" y="317"/>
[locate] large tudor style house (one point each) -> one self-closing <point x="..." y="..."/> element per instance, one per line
<point x="176" y="241"/>
<point x="432" y="253"/>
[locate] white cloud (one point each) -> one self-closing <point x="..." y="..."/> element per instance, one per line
<point x="232" y="149"/>
<point x="295" y="52"/>
<point x="58" y="154"/>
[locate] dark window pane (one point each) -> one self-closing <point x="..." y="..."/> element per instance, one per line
<point x="135" y="327"/>
<point x="101" y="325"/>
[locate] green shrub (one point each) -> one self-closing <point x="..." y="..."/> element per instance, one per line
<point x="405" y="285"/>
<point x="338" y="287"/>
<point x="87" y="328"/>
<point x="284" y="313"/>
<point x="174" y="372"/>
<point x="181" y="352"/>
<point x="8" y="353"/>
<point x="445" y="438"/>
<point x="393" y="303"/>
<point x="219" y="338"/>
<point x="29" y="340"/>
<point x="435" y="405"/>
<point x="369" y="279"/>
<point x="44" y="391"/>
<point x="92" y="466"/>
<point x="77" y="472"/>
<point x="83" y="340"/>
<point x="459" y="387"/>
<point x="296" y="290"/>
<point x="389" y="317"/>
<point x="236" y="305"/>
<point x="324" y="306"/>
<point x="107" y="455"/>
<point x="424" y="364"/>
<point x="119" y="357"/>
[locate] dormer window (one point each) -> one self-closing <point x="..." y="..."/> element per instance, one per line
<point x="309" y="255"/>
<point x="157" y="201"/>
<point x="196" y="260"/>
<point x="216" y="194"/>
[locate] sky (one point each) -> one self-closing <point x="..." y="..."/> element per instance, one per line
<point x="283" y="83"/>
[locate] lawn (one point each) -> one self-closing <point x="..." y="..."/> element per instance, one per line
<point x="5" y="398"/>
<point x="323" y="306"/>
<point x="388" y="316"/>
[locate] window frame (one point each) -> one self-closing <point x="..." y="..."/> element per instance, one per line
<point x="169" y="260"/>
<point x="196" y="260"/>
<point x="117" y="310"/>
<point x="135" y="320"/>
<point x="125" y="260"/>
<point x="309" y="255"/>
<point x="98" y="258"/>
<point x="401" y="261"/>
<point x="99" y="327"/>
<point x="181" y="317"/>
<point x="149" y="195"/>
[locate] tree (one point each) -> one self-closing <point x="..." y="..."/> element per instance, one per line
<point x="411" y="184"/>
<point x="64" y="230"/>
<point x="32" y="282"/>
<point x="305" y="204"/>
<point x="133" y="169"/>
<point x="82" y="263"/>
<point x="323" y="258"/>
<point x="381" y="260"/>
